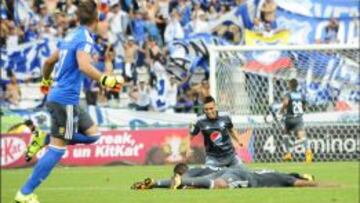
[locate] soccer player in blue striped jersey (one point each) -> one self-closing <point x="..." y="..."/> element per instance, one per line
<point x="69" y="123"/>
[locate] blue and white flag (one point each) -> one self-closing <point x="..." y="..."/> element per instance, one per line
<point x="190" y="54"/>
<point x="3" y="10"/>
<point x="23" y="14"/>
<point x="307" y="19"/>
<point x="27" y="59"/>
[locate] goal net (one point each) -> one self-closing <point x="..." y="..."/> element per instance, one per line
<point x="249" y="82"/>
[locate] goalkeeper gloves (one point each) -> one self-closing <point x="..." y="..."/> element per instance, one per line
<point x="45" y="85"/>
<point x="113" y="82"/>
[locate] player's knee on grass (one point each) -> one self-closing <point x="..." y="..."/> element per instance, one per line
<point x="220" y="183"/>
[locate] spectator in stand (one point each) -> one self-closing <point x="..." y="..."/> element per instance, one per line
<point x="140" y="95"/>
<point x="152" y="51"/>
<point x="31" y="33"/>
<point x="172" y="92"/>
<point x="173" y="30"/>
<point x="164" y="8"/>
<point x="212" y="14"/>
<point x="130" y="52"/>
<point x="70" y="10"/>
<point x="61" y="23"/>
<point x="239" y="2"/>
<point x="203" y="89"/>
<point x="45" y="16"/>
<point x="112" y="97"/>
<point x="13" y="92"/>
<point x="258" y="26"/>
<point x="331" y="32"/>
<point x="224" y="8"/>
<point x="14" y="36"/>
<point x="152" y="30"/>
<point x="199" y="23"/>
<point x="118" y="21"/>
<point x="215" y="4"/>
<point x="185" y="102"/>
<point x="268" y="13"/>
<point x="152" y="8"/>
<point x="138" y="27"/>
<point x="197" y="10"/>
<point x="4" y="31"/>
<point x="184" y="8"/>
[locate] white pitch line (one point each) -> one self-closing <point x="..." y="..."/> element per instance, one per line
<point x="73" y="188"/>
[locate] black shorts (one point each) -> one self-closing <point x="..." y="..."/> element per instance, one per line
<point x="67" y="120"/>
<point x="294" y="124"/>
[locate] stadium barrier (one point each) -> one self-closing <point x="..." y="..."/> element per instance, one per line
<point x="336" y="142"/>
<point x="156" y="146"/>
<point x="167" y="146"/>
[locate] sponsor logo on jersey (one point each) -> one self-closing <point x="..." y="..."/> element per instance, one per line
<point x="216" y="137"/>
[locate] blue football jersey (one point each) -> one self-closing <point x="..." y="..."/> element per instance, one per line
<point x="68" y="78"/>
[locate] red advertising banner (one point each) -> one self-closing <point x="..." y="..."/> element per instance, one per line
<point x="158" y="146"/>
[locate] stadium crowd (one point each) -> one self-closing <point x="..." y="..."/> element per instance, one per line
<point x="134" y="33"/>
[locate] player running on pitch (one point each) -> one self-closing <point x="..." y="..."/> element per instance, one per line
<point x="292" y="108"/>
<point x="217" y="129"/>
<point x="69" y="124"/>
<point x="233" y="177"/>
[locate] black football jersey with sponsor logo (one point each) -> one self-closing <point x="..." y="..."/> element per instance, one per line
<point x="216" y="134"/>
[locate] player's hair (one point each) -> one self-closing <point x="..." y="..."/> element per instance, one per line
<point x="28" y="122"/>
<point x="180" y="168"/>
<point x="87" y="12"/>
<point x="293" y="84"/>
<point x="208" y="99"/>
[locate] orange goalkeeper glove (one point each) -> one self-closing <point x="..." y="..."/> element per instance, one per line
<point x="113" y="82"/>
<point x="45" y="85"/>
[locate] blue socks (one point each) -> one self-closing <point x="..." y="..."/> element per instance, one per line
<point x="79" y="138"/>
<point x="42" y="169"/>
<point x="51" y="157"/>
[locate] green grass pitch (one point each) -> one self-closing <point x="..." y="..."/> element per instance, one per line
<point x="112" y="185"/>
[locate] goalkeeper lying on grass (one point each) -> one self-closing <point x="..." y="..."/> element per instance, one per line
<point x="234" y="177"/>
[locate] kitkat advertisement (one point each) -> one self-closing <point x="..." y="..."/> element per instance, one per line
<point x="119" y="147"/>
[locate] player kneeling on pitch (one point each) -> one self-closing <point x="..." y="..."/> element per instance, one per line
<point x="218" y="131"/>
<point x="233" y="177"/>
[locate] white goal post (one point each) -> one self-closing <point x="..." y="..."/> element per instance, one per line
<point x="246" y="80"/>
